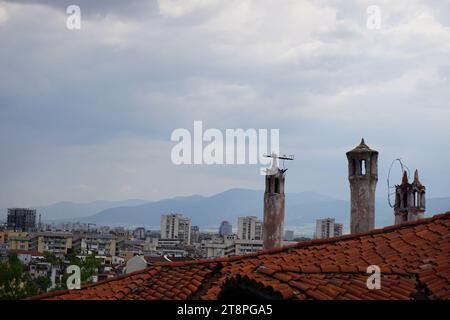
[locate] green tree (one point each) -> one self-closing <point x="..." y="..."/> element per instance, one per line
<point x="73" y="257"/>
<point x="51" y="258"/>
<point x="42" y="283"/>
<point x="15" y="282"/>
<point x="88" y="266"/>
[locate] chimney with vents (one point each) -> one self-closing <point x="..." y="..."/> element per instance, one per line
<point x="363" y="177"/>
<point x="409" y="199"/>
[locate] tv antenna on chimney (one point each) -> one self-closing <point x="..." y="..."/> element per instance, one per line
<point x="403" y="167"/>
<point x="281" y="157"/>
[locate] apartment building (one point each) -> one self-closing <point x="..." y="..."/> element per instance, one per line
<point x="176" y="226"/>
<point x="250" y="228"/>
<point x="21" y="219"/>
<point x="100" y="244"/>
<point x="327" y="228"/>
<point x="56" y="242"/>
<point x="19" y="241"/>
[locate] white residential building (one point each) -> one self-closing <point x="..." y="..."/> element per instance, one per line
<point x="288" y="235"/>
<point x="101" y="244"/>
<point x="219" y="246"/>
<point x="250" y="228"/>
<point x="327" y="228"/>
<point x="231" y="246"/>
<point x="176" y="227"/>
<point x="247" y="246"/>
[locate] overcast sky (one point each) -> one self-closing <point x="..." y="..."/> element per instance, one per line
<point x="87" y="114"/>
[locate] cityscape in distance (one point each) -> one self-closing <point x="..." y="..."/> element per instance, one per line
<point x="124" y="238"/>
<point x="236" y="158"/>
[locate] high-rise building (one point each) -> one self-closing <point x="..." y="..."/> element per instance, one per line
<point x="195" y="235"/>
<point x="327" y="228"/>
<point x="363" y="177"/>
<point x="176" y="227"/>
<point x="21" y="219"/>
<point x="409" y="199"/>
<point x="250" y="228"/>
<point x="225" y="229"/>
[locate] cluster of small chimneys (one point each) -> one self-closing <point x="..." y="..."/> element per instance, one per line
<point x="409" y="199"/>
<point x="363" y="177"/>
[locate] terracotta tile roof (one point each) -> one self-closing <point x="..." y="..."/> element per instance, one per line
<point x="30" y="252"/>
<point x="414" y="259"/>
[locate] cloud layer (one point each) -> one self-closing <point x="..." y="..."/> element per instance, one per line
<point x="88" y="114"/>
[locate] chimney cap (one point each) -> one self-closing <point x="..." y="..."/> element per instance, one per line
<point x="362" y="147"/>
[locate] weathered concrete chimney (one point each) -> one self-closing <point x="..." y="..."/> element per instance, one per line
<point x="409" y="199"/>
<point x="363" y="177"/>
<point x="274" y="207"/>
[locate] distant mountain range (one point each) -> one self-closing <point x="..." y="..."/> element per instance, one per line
<point x="302" y="209"/>
<point x="204" y="211"/>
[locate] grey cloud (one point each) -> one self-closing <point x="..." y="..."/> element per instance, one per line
<point x="79" y="100"/>
<point x="101" y="8"/>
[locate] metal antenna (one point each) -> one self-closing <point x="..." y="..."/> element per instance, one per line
<point x="282" y="157"/>
<point x="402" y="167"/>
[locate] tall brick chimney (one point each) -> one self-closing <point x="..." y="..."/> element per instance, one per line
<point x="363" y="177"/>
<point x="274" y="207"/>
